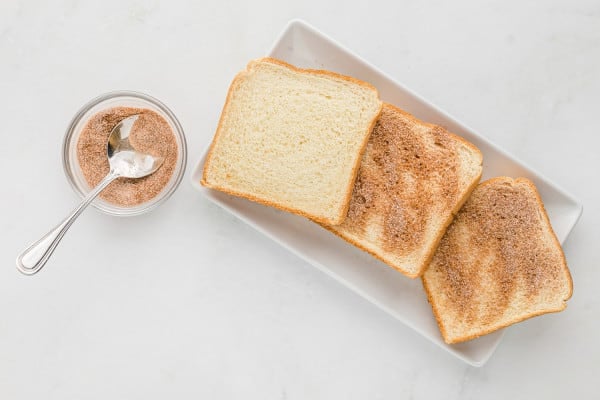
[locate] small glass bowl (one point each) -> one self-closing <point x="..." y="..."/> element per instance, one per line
<point x="121" y="99"/>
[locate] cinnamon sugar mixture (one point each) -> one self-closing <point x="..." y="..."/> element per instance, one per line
<point x="401" y="162"/>
<point x="151" y="134"/>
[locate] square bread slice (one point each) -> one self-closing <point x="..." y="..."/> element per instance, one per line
<point x="292" y="138"/>
<point x="412" y="179"/>
<point x="499" y="263"/>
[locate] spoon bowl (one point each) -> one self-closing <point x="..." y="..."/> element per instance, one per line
<point x="125" y="160"/>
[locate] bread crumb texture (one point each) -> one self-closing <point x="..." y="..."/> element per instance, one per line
<point x="292" y="138"/>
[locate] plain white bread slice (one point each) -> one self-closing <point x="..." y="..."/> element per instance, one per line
<point x="292" y="138"/>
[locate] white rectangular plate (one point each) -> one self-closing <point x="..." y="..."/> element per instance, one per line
<point x="404" y="298"/>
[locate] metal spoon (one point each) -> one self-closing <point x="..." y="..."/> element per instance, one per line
<point x="124" y="161"/>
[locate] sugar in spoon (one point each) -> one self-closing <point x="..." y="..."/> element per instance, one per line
<point x="124" y="161"/>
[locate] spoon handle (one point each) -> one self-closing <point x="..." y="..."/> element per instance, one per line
<point x="35" y="256"/>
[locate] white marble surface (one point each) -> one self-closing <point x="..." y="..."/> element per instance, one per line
<point x="188" y="302"/>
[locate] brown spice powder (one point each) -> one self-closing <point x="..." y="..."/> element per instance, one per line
<point x="403" y="166"/>
<point x="151" y="134"/>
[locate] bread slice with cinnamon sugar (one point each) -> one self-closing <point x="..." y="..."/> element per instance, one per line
<point x="413" y="178"/>
<point x="292" y="138"/>
<point x="499" y="263"/>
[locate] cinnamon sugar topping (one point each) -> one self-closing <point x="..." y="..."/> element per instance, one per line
<point x="498" y="263"/>
<point x="151" y="134"/>
<point x="400" y="174"/>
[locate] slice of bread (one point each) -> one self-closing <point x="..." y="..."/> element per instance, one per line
<point x="292" y="138"/>
<point x="413" y="178"/>
<point x="499" y="263"/>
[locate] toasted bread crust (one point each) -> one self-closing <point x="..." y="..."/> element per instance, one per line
<point x="440" y="312"/>
<point x="237" y="79"/>
<point x="355" y="167"/>
<point x="347" y="230"/>
<point x="432" y="126"/>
